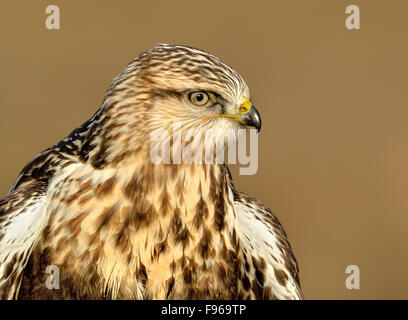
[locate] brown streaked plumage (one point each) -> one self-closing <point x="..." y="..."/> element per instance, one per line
<point x="121" y="227"/>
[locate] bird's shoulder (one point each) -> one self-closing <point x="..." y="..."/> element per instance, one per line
<point x="22" y="217"/>
<point x="72" y="149"/>
<point x="23" y="211"/>
<point x="266" y="241"/>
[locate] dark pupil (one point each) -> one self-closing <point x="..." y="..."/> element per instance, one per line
<point x="199" y="97"/>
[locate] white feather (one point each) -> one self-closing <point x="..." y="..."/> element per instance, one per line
<point x="19" y="231"/>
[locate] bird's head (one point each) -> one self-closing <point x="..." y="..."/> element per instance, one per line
<point x="169" y="84"/>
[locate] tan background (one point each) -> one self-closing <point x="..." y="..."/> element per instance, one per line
<point x="333" y="148"/>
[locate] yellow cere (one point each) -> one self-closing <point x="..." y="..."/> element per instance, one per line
<point x="245" y="106"/>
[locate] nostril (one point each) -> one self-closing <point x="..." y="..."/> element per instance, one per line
<point x="244" y="109"/>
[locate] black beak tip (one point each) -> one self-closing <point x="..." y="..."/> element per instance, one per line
<point x="253" y="119"/>
<point x="258" y="126"/>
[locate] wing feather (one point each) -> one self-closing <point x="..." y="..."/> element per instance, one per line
<point x="265" y="238"/>
<point x="22" y="218"/>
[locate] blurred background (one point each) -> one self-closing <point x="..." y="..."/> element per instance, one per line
<point x="333" y="151"/>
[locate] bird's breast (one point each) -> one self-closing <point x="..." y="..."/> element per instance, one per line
<point x="140" y="235"/>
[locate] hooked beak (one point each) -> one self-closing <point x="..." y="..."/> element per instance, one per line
<point x="249" y="115"/>
<point x="252" y="118"/>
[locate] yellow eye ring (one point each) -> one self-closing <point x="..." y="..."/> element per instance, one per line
<point x="201" y="98"/>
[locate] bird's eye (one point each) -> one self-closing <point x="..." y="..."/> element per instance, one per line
<point x="201" y="98"/>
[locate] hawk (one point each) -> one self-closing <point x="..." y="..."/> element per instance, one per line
<point x="117" y="226"/>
